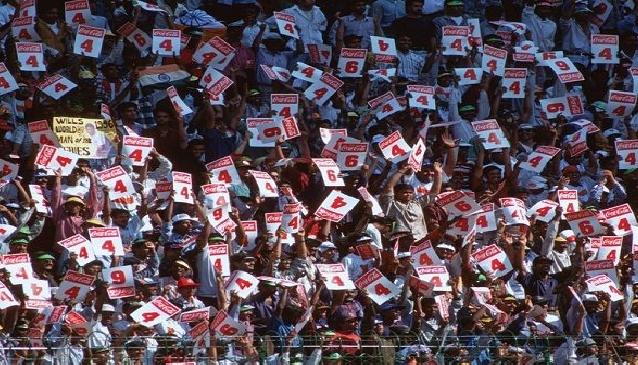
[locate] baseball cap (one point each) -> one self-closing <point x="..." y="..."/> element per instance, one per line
<point x="326" y="245"/>
<point x="186" y="283"/>
<point x="108" y="308"/>
<point x="181" y="217"/>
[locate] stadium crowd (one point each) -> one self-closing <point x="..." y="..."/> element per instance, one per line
<point x="318" y="182"/>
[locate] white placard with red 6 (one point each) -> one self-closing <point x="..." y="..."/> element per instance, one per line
<point x="610" y="249"/>
<point x="469" y="76"/>
<point x="255" y="126"/>
<point x="514" y="81"/>
<point x="182" y="187"/>
<point x="490" y="134"/>
<point x="156" y="311"/>
<point x="220" y="220"/>
<point x="106" y="241"/>
<point x="537" y="160"/>
<point x="178" y="104"/>
<point x="457" y="203"/>
<point x="7" y="81"/>
<point x="455" y="40"/>
<point x="88" y="41"/>
<point x="415" y="160"/>
<point x="605" y="48"/>
<point x="286" y="24"/>
<point x="243" y="283"/>
<point x="138" y="37"/>
<point x="493" y="259"/>
<point x="394" y="147"/>
<point x="30" y="56"/>
<point x="351" y="62"/>
<point x="494" y="60"/>
<point x="226" y="326"/>
<point x="118" y="182"/>
<point x="74" y="287"/>
<point x="621" y="218"/>
<point x="121" y="281"/>
<point x="565" y="70"/>
<point x="284" y="105"/>
<point x="627" y="150"/>
<point x="336" y="206"/>
<point x="486" y="220"/>
<point x="584" y="223"/>
<point x="166" y="42"/>
<point x="219" y="258"/>
<point x="422" y="97"/>
<point x="329" y="172"/>
<point x="379" y="288"/>
<point x="323" y="89"/>
<point x="514" y="211"/>
<point x="80" y="246"/>
<point x="437" y="275"/>
<point x="568" y="200"/>
<point x="265" y="183"/>
<point x="621" y="104"/>
<point x="351" y="156"/>
<point x="545" y="210"/>
<point x="383" y="46"/>
<point x="602" y="283"/>
<point x="223" y="171"/>
<point x="19" y="266"/>
<point x="136" y="149"/>
<point x="56" y="86"/>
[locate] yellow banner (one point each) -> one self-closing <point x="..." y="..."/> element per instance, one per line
<point x="88" y="138"/>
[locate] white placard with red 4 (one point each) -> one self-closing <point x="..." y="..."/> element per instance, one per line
<point x="265" y="183"/>
<point x="455" y="40"/>
<point x="457" y="203"/>
<point x="568" y="200"/>
<point x="494" y="60"/>
<point x="351" y="156"/>
<point x="486" y="220"/>
<point x="422" y="97"/>
<point x="154" y="312"/>
<point x="462" y="226"/>
<point x="537" y="160"/>
<point x="329" y="172"/>
<point x="604" y="48"/>
<point x="286" y="24"/>
<point x="621" y="218"/>
<point x="351" y="62"/>
<point x="424" y="255"/>
<point x="621" y="104"/>
<point x="215" y="195"/>
<point x="323" y="89"/>
<point x="178" y="104"/>
<point x="42" y="134"/>
<point x="243" y="283"/>
<point x="23" y="29"/>
<point x="284" y="105"/>
<point x="306" y="72"/>
<point x="490" y="134"/>
<point x="565" y="70"/>
<point x="166" y="42"/>
<point x="223" y="171"/>
<point x="19" y="266"/>
<point x="74" y="287"/>
<point x="394" y="147"/>
<point x="584" y="223"/>
<point x="216" y="53"/>
<point x="88" y="41"/>
<point x="415" y="160"/>
<point x="627" y="150"/>
<point x="106" y="241"/>
<point x="437" y="275"/>
<point x="7" y="81"/>
<point x="601" y="267"/>
<point x="121" y="281"/>
<point x="545" y="210"/>
<point x="136" y="149"/>
<point x="8" y="172"/>
<point x="37" y="196"/>
<point x="251" y="232"/>
<point x="384" y="105"/>
<point x="273" y="222"/>
<point x="290" y="219"/>
<point x="30" y="56"/>
<point x="602" y="283"/>
<point x="493" y="259"/>
<point x="335" y="276"/>
<point x="80" y="246"/>
<point x="77" y="12"/>
<point x="336" y="206"/>
<point x="379" y="288"/>
<point x="514" y="81"/>
<point x="56" y="86"/>
<point x="514" y="211"/>
<point x="610" y="249"/>
<point x="182" y="187"/>
<point x="118" y="182"/>
<point x="219" y="258"/>
<point x="469" y="76"/>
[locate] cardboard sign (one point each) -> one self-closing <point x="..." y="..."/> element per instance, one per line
<point x="284" y="105"/>
<point x="455" y="40"/>
<point x="216" y="53"/>
<point x="118" y="182"/>
<point x="514" y="211"/>
<point x="225" y="325"/>
<point x="89" y="41"/>
<point x="331" y="149"/>
<point x="457" y="203"/>
<point x="53" y="158"/>
<point x="462" y="226"/>
<point x="306" y="72"/>
<point x="74" y="287"/>
<point x="476" y="40"/>
<point x="621" y="218"/>
<point x="78" y="323"/>
<point x="195" y="315"/>
<point x="80" y="246"/>
<point x="56" y="86"/>
<point x="514" y="81"/>
<point x="351" y="156"/>
<point x="167" y="42"/>
<point x="336" y="206"/>
<point x="610" y="249"/>
<point x="494" y="60"/>
<point x="436" y="275"/>
<point x="424" y="255"/>
<point x="77" y="12"/>
<point x="37" y="196"/>
<point x="493" y="259"/>
<point x="215" y="82"/>
<point x="290" y="219"/>
<point x="490" y="134"/>
<point x="106" y="241"/>
<point x="621" y="104"/>
<point x="136" y="149"/>
<point x="274" y="222"/>
<point x="251" y="232"/>
<point x="23" y="29"/>
<point x="568" y="200"/>
<point x="422" y="97"/>
<point x="602" y="283"/>
<point x="6" y="298"/>
<point x="140" y="40"/>
<point x="182" y="187"/>
<point x="384" y="105"/>
<point x="320" y="53"/>
<point x="543" y="57"/>
<point x="565" y="70"/>
<point x="322" y="90"/>
<point x="584" y="222"/>
<point x="223" y="171"/>
<point x="605" y="48"/>
<point x="267" y="186"/>
<point x="351" y="62"/>
<point x="577" y="142"/>
<point x="7" y="81"/>
<point x="8" y="172"/>
<point x="215" y="195"/>
<point x="121" y="281"/>
<point x="335" y="276"/>
<point x="30" y="56"/>
<point x="486" y="220"/>
<point x="256" y="127"/>
<point x="469" y="76"/>
<point x="242" y="282"/>
<point x="626" y="150"/>
<point x="384" y="49"/>
<point x="544" y="210"/>
<point x="178" y="104"/>
<point x="19" y="266"/>
<point x="219" y="258"/>
<point x="566" y="105"/>
<point x="156" y="311"/>
<point x="286" y="24"/>
<point x="379" y="288"/>
<point x="415" y="160"/>
<point x="219" y="218"/>
<point x="537" y="160"/>
<point x="329" y="172"/>
<point x="89" y="138"/>
<point x="376" y="208"/>
<point x="394" y="147"/>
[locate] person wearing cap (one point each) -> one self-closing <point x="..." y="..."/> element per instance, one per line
<point x="70" y="215"/>
<point x="537" y="17"/>
<point x="468" y="113"/>
<point x="357" y="23"/>
<point x="576" y="28"/>
<point x="187" y="288"/>
<point x="179" y="229"/>
<point x="453" y="14"/>
<point x="355" y="265"/>
<point x="18" y="245"/>
<point x="608" y="192"/>
<point x="574" y="179"/>
<point x="101" y="335"/>
<point x="143" y="257"/>
<point x="128" y="224"/>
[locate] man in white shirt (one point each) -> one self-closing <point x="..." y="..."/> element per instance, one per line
<point x="310" y="20"/>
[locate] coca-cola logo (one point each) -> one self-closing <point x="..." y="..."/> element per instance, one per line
<point x="353" y="53"/>
<point x="485" y="126"/>
<point x="284" y="99"/>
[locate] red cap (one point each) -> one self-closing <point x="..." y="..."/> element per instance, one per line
<point x="186" y="282"/>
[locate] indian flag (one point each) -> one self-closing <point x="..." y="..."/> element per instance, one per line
<point x="161" y="77"/>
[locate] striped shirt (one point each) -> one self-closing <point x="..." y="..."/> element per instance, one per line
<point x="410" y="65"/>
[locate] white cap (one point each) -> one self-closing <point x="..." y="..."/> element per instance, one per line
<point x="446" y="246"/>
<point x="325" y="246"/>
<point x="181" y="217"/>
<point x="402" y="255"/>
<point x="108" y="308"/>
<point x="590" y="298"/>
<point x="377" y="138"/>
<point x="609" y="132"/>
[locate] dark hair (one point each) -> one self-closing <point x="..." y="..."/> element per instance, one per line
<point x="125" y="105"/>
<point x="402" y="187"/>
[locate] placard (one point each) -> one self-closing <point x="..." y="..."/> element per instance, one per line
<point x="154" y="312"/>
<point x="568" y="200"/>
<point x="514" y="81"/>
<point x="274" y="222"/>
<point x="80" y="246"/>
<point x="37" y="196"/>
<point x="626" y="150"/>
<point x="219" y="258"/>
<point x="455" y="40"/>
<point x="379" y="288"/>
<point x="329" y="172"/>
<point x="565" y="70"/>
<point x="486" y="220"/>
<point x="226" y="326"/>
<point x="335" y="206"/>
<point x="469" y="76"/>
<point x="542" y="57"/>
<point x="384" y="105"/>
<point x="19" y="266"/>
<point x="118" y="182"/>
<point x="215" y="195"/>
<point x="8" y="172"/>
<point x="30" y="56"/>
<point x="42" y="134"/>
<point x="494" y="60"/>
<point x="621" y="104"/>
<point x="322" y="90"/>
<point x="182" y="187"/>
<point x="610" y="249"/>
<point x="306" y="72"/>
<point x="621" y="218"/>
<point x="7" y="81"/>
<point x="136" y="149"/>
<point x="462" y="226"/>
<point x="320" y="53"/>
<point x="394" y="147"/>
<point x="286" y="24"/>
<point x="493" y="260"/>
<point x="223" y="171"/>
<point x="56" y="86"/>
<point x="566" y="105"/>
<point x="74" y="287"/>
<point x="602" y="283"/>
<point x="544" y="210"/>
<point x="290" y="219"/>
<point x="384" y="49"/>
<point x="27" y="8"/>
<point x="601" y="267"/>
<point x="490" y="134"/>
<point x="584" y="223"/>
<point x="351" y="156"/>
<point x="242" y="283"/>
<point x="178" y="104"/>
<point x="89" y="41"/>
<point x="120" y="280"/>
<point x="284" y="105"/>
<point x="106" y="241"/>
<point x="376" y="208"/>
<point x="456" y="203"/>
<point x="138" y="37"/>
<point x="77" y="12"/>
<point x="424" y="255"/>
<point x="166" y="42"/>
<point x="216" y="53"/>
<point x="438" y="276"/>
<point x="267" y="186"/>
<point x="335" y="276"/>
<point x="577" y="142"/>
<point x="415" y="160"/>
<point x="23" y="29"/>
<point x="514" y="211"/>
<point x="605" y="48"/>
<point x="537" y="160"/>
<point x="422" y="97"/>
<point x="351" y="62"/>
